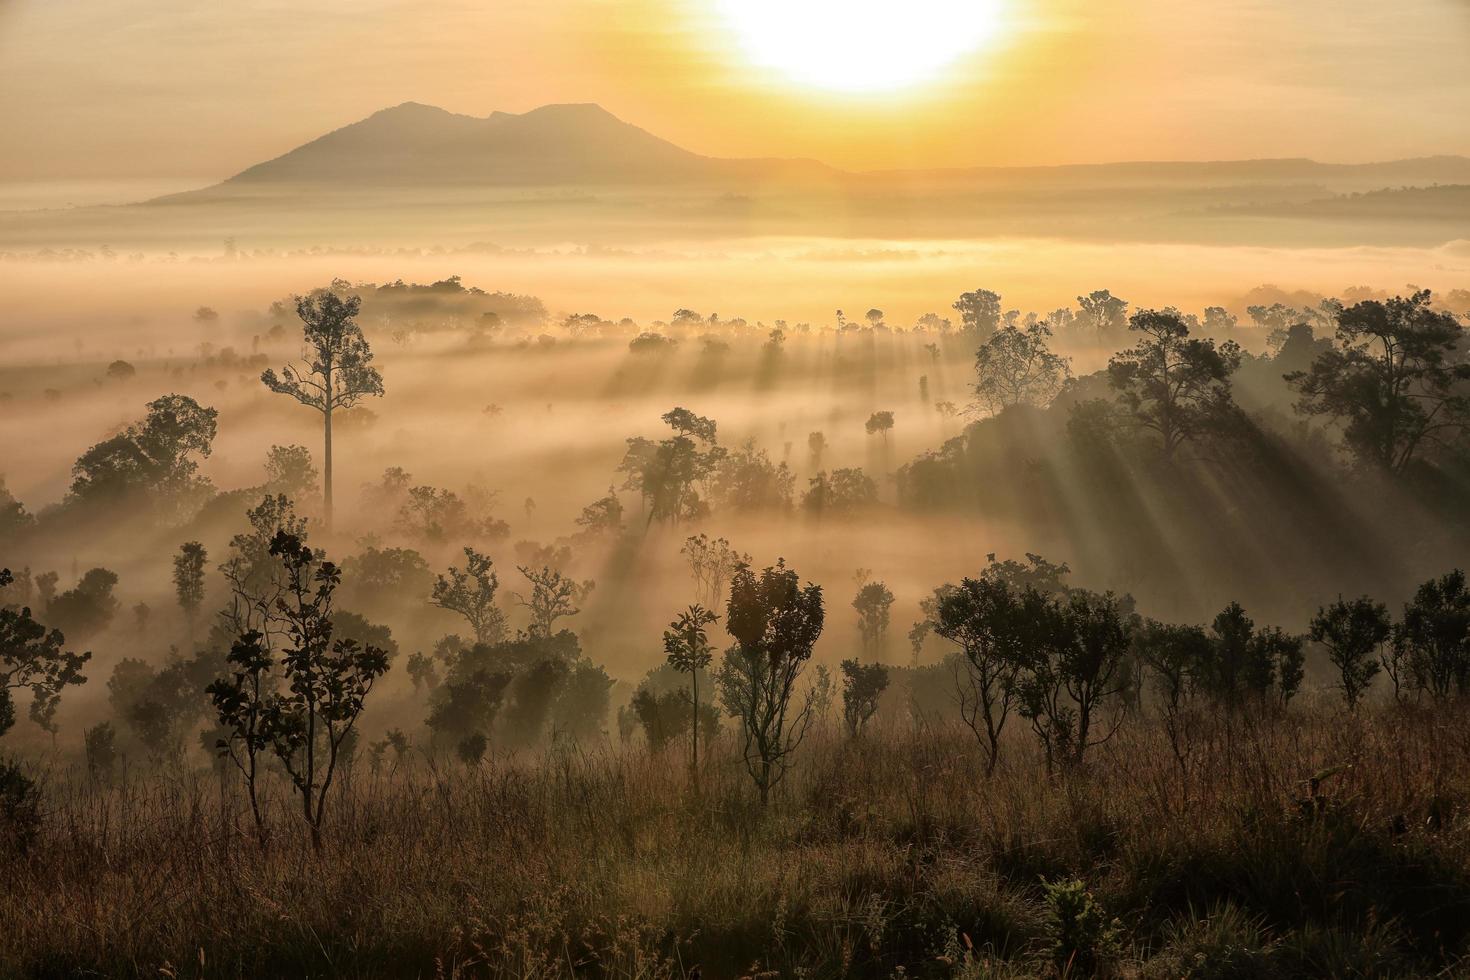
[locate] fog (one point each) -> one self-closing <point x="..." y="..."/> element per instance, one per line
<point x="527" y="420"/>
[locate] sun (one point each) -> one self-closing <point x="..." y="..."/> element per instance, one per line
<point x="860" y="45"/>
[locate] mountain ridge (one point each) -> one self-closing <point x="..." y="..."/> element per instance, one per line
<point x="415" y="144"/>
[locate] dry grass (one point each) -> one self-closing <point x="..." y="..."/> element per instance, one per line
<point x="891" y="852"/>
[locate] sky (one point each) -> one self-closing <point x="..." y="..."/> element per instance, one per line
<point x="195" y="90"/>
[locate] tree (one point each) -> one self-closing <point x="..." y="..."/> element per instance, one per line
<point x="667" y="473"/>
<point x="1174" y="656"/>
<point x="879" y="422"/>
<point x="775" y="622"/>
<point x="687" y="648"/>
<point x="338" y="374"/>
<point x="990" y="622"/>
<point x="816" y="444"/>
<point x="471" y="593"/>
<point x="845" y="492"/>
<point x="1103" y="312"/>
<point x="1396" y="381"/>
<point x="1016" y="367"/>
<point x="872" y="602"/>
<point x="1351" y="632"/>
<point x="31" y="656"/>
<point x="553" y="596"/>
<point x="152" y="460"/>
<point x="324" y="684"/>
<point x="712" y="561"/>
<point x="88" y="608"/>
<point x="979" y="312"/>
<point x="189" y="579"/>
<point x="1433" y="639"/>
<point x="1170" y="384"/>
<point x="289" y="470"/>
<point x="1073" y="667"/>
<point x="746" y="480"/>
<point x="862" y="686"/>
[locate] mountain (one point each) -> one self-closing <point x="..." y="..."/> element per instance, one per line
<point x="414" y="145"/>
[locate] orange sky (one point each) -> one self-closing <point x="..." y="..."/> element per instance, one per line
<point x="181" y="88"/>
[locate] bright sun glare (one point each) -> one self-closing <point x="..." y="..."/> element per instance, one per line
<point x="860" y="45"/>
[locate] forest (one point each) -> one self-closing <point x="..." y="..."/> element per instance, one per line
<point x="416" y="629"/>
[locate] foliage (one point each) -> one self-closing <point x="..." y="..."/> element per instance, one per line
<point x="1172" y="385"/>
<point x="873" y="602"/>
<point x="470" y="592"/>
<point x="775" y="621"/>
<point x="87" y="609"/>
<point x="1016" y="367"/>
<point x="1396" y="381"/>
<point x="32" y="657"/>
<point x="151" y="462"/>
<point x="862" y="686"/>
<point x="845" y="492"/>
<point x="1351" y="631"/>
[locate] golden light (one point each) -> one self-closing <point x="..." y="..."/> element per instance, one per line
<point x="860" y="45"/>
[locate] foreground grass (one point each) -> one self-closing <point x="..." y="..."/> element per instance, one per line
<point x="893" y="854"/>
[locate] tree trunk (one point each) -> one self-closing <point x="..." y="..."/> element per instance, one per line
<point x="694" y="731"/>
<point x="327" y="452"/>
<point x="327" y="472"/>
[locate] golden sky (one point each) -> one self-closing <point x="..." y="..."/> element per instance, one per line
<point x="204" y="88"/>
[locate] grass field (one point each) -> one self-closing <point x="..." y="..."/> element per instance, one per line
<point x="891" y="855"/>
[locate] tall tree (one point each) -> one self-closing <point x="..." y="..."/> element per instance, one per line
<point x="1397" y="381"/>
<point x="337" y="372"/>
<point x="1173" y="385"/>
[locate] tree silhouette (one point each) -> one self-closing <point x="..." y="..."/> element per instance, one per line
<point x="1396" y="381"/>
<point x="1072" y="669"/>
<point x="862" y="686"/>
<point x="775" y="621"/>
<point x="337" y="372"/>
<point x="712" y="561"/>
<point x="471" y="593"/>
<point x="154" y="457"/>
<point x="879" y="422"/>
<point x="553" y="596"/>
<point x="687" y="648"/>
<point x="189" y="580"/>
<point x="666" y="473"/>
<point x="324" y="684"/>
<point x="979" y="312"/>
<point x="873" y="602"/>
<point x="1172" y="385"/>
<point x="1016" y="367"/>
<point x="1351" y="631"/>
<point x="32" y="656"/>
<point x="1103" y="312"/>
<point x="1433" y="639"/>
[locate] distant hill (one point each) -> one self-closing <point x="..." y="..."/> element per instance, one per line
<point x="420" y="146"/>
<point x="413" y="145"/>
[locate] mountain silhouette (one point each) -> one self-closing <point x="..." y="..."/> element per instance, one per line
<point x="420" y="145"/>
